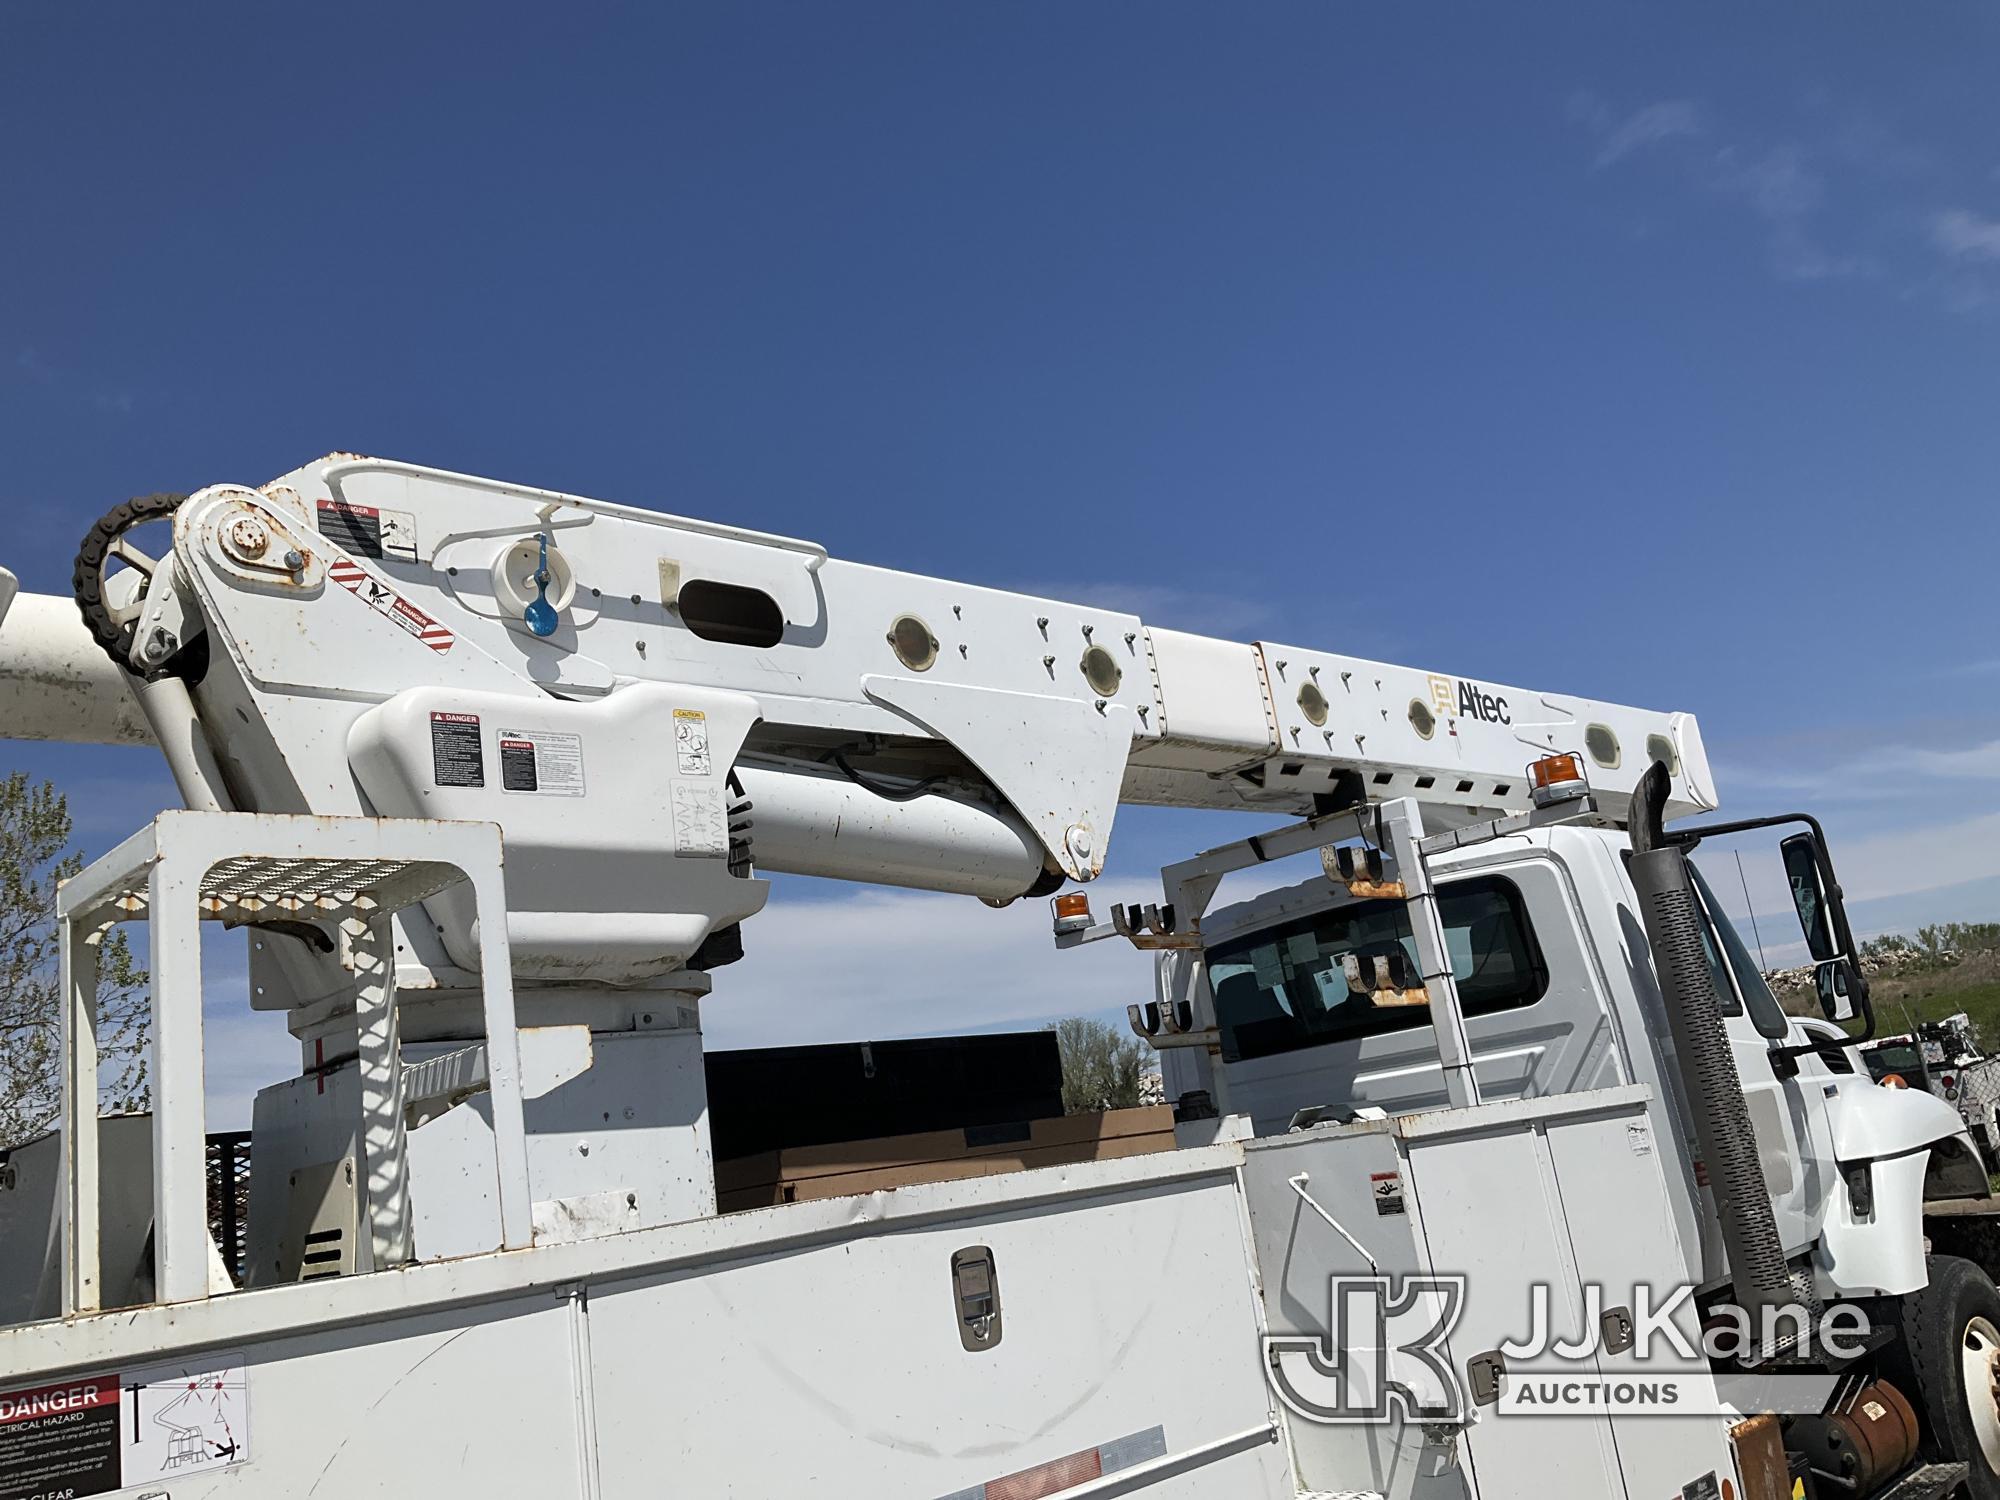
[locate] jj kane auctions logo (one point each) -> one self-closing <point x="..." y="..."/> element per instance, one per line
<point x="1385" y="1355"/>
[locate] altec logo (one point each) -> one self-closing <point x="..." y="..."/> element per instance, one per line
<point x="1455" y="697"/>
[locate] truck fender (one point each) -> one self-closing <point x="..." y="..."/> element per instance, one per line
<point x="1872" y="1238"/>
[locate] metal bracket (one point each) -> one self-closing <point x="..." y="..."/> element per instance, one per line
<point x="1169" y="1025"/>
<point x="1389" y="979"/>
<point x="1362" y="869"/>
<point x="1152" y="927"/>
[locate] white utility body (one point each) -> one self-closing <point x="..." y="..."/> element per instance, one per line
<point x="490" y="773"/>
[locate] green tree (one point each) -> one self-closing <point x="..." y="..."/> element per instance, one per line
<point x="1101" y="1065"/>
<point x="34" y="840"/>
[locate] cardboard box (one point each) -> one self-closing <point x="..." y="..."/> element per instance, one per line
<point x="809" y="1173"/>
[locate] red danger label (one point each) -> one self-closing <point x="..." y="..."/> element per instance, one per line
<point x="58" y="1400"/>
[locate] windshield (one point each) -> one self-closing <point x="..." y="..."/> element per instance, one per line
<point x="1765" y="1013"/>
<point x="1284" y="987"/>
<point x="1900" y="1058"/>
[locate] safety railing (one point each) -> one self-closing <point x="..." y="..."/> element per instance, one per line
<point x="348" y="874"/>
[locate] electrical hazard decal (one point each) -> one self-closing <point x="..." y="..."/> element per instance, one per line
<point x="367" y="532"/>
<point x="93" y="1434"/>
<point x="1387" y="1190"/>
<point x="391" y="605"/>
<point x="186" y="1419"/>
<point x="60" y="1439"/>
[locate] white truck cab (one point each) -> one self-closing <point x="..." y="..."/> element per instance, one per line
<point x="1559" y="996"/>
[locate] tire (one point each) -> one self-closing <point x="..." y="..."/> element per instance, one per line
<point x="1947" y="1361"/>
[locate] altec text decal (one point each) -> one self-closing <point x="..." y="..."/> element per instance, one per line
<point x="1468" y="700"/>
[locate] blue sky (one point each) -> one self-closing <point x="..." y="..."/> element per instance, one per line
<point x="1640" y="352"/>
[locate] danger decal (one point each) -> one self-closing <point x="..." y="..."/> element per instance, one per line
<point x="94" y="1434"/>
<point x="386" y="602"/>
<point x="366" y="531"/>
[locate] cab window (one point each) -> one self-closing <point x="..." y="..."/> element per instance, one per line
<point x="1284" y="988"/>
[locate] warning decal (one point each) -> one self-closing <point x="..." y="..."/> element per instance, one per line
<point x="691" y="742"/>
<point x="1388" y="1190"/>
<point x="385" y="601"/>
<point x="186" y="1419"/>
<point x="539" y="760"/>
<point x="367" y="532"/>
<point x="457" y="758"/>
<point x="94" y="1434"/>
<point x="60" y="1439"/>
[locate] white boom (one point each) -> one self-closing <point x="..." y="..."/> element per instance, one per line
<point x="1043" y="713"/>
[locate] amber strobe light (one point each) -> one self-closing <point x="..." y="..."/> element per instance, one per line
<point x="1072" y="911"/>
<point x="1555" y="778"/>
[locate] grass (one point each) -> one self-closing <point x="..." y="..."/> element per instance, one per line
<point x="1972" y="985"/>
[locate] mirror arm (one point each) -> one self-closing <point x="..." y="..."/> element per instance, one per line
<point x="1843" y="936"/>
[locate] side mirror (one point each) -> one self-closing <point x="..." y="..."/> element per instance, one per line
<point x="1836" y="991"/>
<point x="1803" y="871"/>
<point x="1837" y="976"/>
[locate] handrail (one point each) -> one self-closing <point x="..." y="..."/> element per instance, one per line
<point x="334" y="473"/>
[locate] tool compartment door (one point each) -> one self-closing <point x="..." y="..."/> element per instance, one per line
<point x="1565" y="1194"/>
<point x="1127" y="1334"/>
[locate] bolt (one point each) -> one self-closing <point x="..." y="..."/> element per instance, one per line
<point x="1042" y="624"/>
<point x="1295" y="734"/>
<point x="295" y="561"/>
<point x="1086" y="632"/>
<point x="1143" y="711"/>
<point x="161" y="644"/>
<point x="1050" y="663"/>
<point x="248" y="536"/>
<point x="1315" y="673"/>
<point x="1346" y="678"/>
<point x="1100" y="705"/>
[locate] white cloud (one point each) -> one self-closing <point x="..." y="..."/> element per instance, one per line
<point x="1928" y="858"/>
<point x="1888" y="772"/>
<point x="880" y="963"/>
<point x="1665" y="121"/>
<point x="1964" y="235"/>
<point x="1617" y="138"/>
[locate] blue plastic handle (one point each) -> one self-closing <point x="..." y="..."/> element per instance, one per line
<point x="540" y="615"/>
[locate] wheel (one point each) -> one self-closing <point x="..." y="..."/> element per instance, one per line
<point x="1947" y="1361"/>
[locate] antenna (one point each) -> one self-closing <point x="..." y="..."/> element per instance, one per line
<point x="1751" y="908"/>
